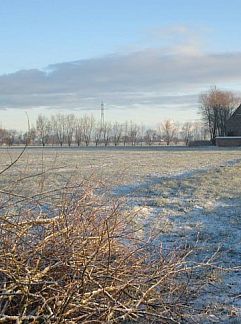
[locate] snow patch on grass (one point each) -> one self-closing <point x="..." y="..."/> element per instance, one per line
<point x="200" y="209"/>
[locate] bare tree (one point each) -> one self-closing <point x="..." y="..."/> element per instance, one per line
<point x="3" y="136"/>
<point x="43" y="128"/>
<point x="29" y="136"/>
<point x="187" y="132"/>
<point x="150" y="135"/>
<point x="70" y="122"/>
<point x="78" y="132"/>
<point x="98" y="133"/>
<point x="117" y="130"/>
<point x="200" y="131"/>
<point x="59" y="128"/>
<point x="88" y="125"/>
<point x="107" y="128"/>
<point x="169" y="130"/>
<point x="125" y="133"/>
<point x="9" y="137"/>
<point x="216" y="108"/>
<point x="133" y="133"/>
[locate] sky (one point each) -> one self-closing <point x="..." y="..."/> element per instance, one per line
<point x="148" y="60"/>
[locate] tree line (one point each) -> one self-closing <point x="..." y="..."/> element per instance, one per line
<point x="216" y="107"/>
<point x="69" y="130"/>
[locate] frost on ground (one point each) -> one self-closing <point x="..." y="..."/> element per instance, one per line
<point x="118" y="167"/>
<point x="200" y="209"/>
<point x="183" y="198"/>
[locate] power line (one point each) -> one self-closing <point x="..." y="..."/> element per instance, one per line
<point x="102" y="114"/>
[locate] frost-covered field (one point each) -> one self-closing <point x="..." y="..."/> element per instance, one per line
<point x="184" y="198"/>
<point x="200" y="209"/>
<point x="112" y="166"/>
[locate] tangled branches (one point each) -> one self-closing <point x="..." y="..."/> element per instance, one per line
<point x="72" y="256"/>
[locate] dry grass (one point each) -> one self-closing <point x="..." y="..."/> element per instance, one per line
<point x="85" y="265"/>
<point x="69" y="255"/>
<point x="115" y="167"/>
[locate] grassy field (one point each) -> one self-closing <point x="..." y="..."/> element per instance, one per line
<point x="200" y="209"/>
<point x="112" y="167"/>
<point x="182" y="199"/>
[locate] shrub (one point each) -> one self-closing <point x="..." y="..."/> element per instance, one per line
<point x="71" y="255"/>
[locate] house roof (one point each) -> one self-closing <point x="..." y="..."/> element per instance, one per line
<point x="235" y="118"/>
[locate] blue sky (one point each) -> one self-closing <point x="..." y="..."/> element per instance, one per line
<point x="39" y="33"/>
<point x="122" y="38"/>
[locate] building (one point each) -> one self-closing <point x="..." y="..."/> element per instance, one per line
<point x="234" y="123"/>
<point x="233" y="133"/>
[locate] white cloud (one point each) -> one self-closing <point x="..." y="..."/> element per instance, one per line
<point x="118" y="75"/>
<point x="152" y="78"/>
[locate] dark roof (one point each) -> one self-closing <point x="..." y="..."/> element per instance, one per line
<point x="234" y="123"/>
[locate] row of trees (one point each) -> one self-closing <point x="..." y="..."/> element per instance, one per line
<point x="70" y="130"/>
<point x="216" y="107"/>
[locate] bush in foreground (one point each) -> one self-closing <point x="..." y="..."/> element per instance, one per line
<point x="78" y="259"/>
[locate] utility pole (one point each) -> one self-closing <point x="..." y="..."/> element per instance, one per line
<point x="102" y="115"/>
